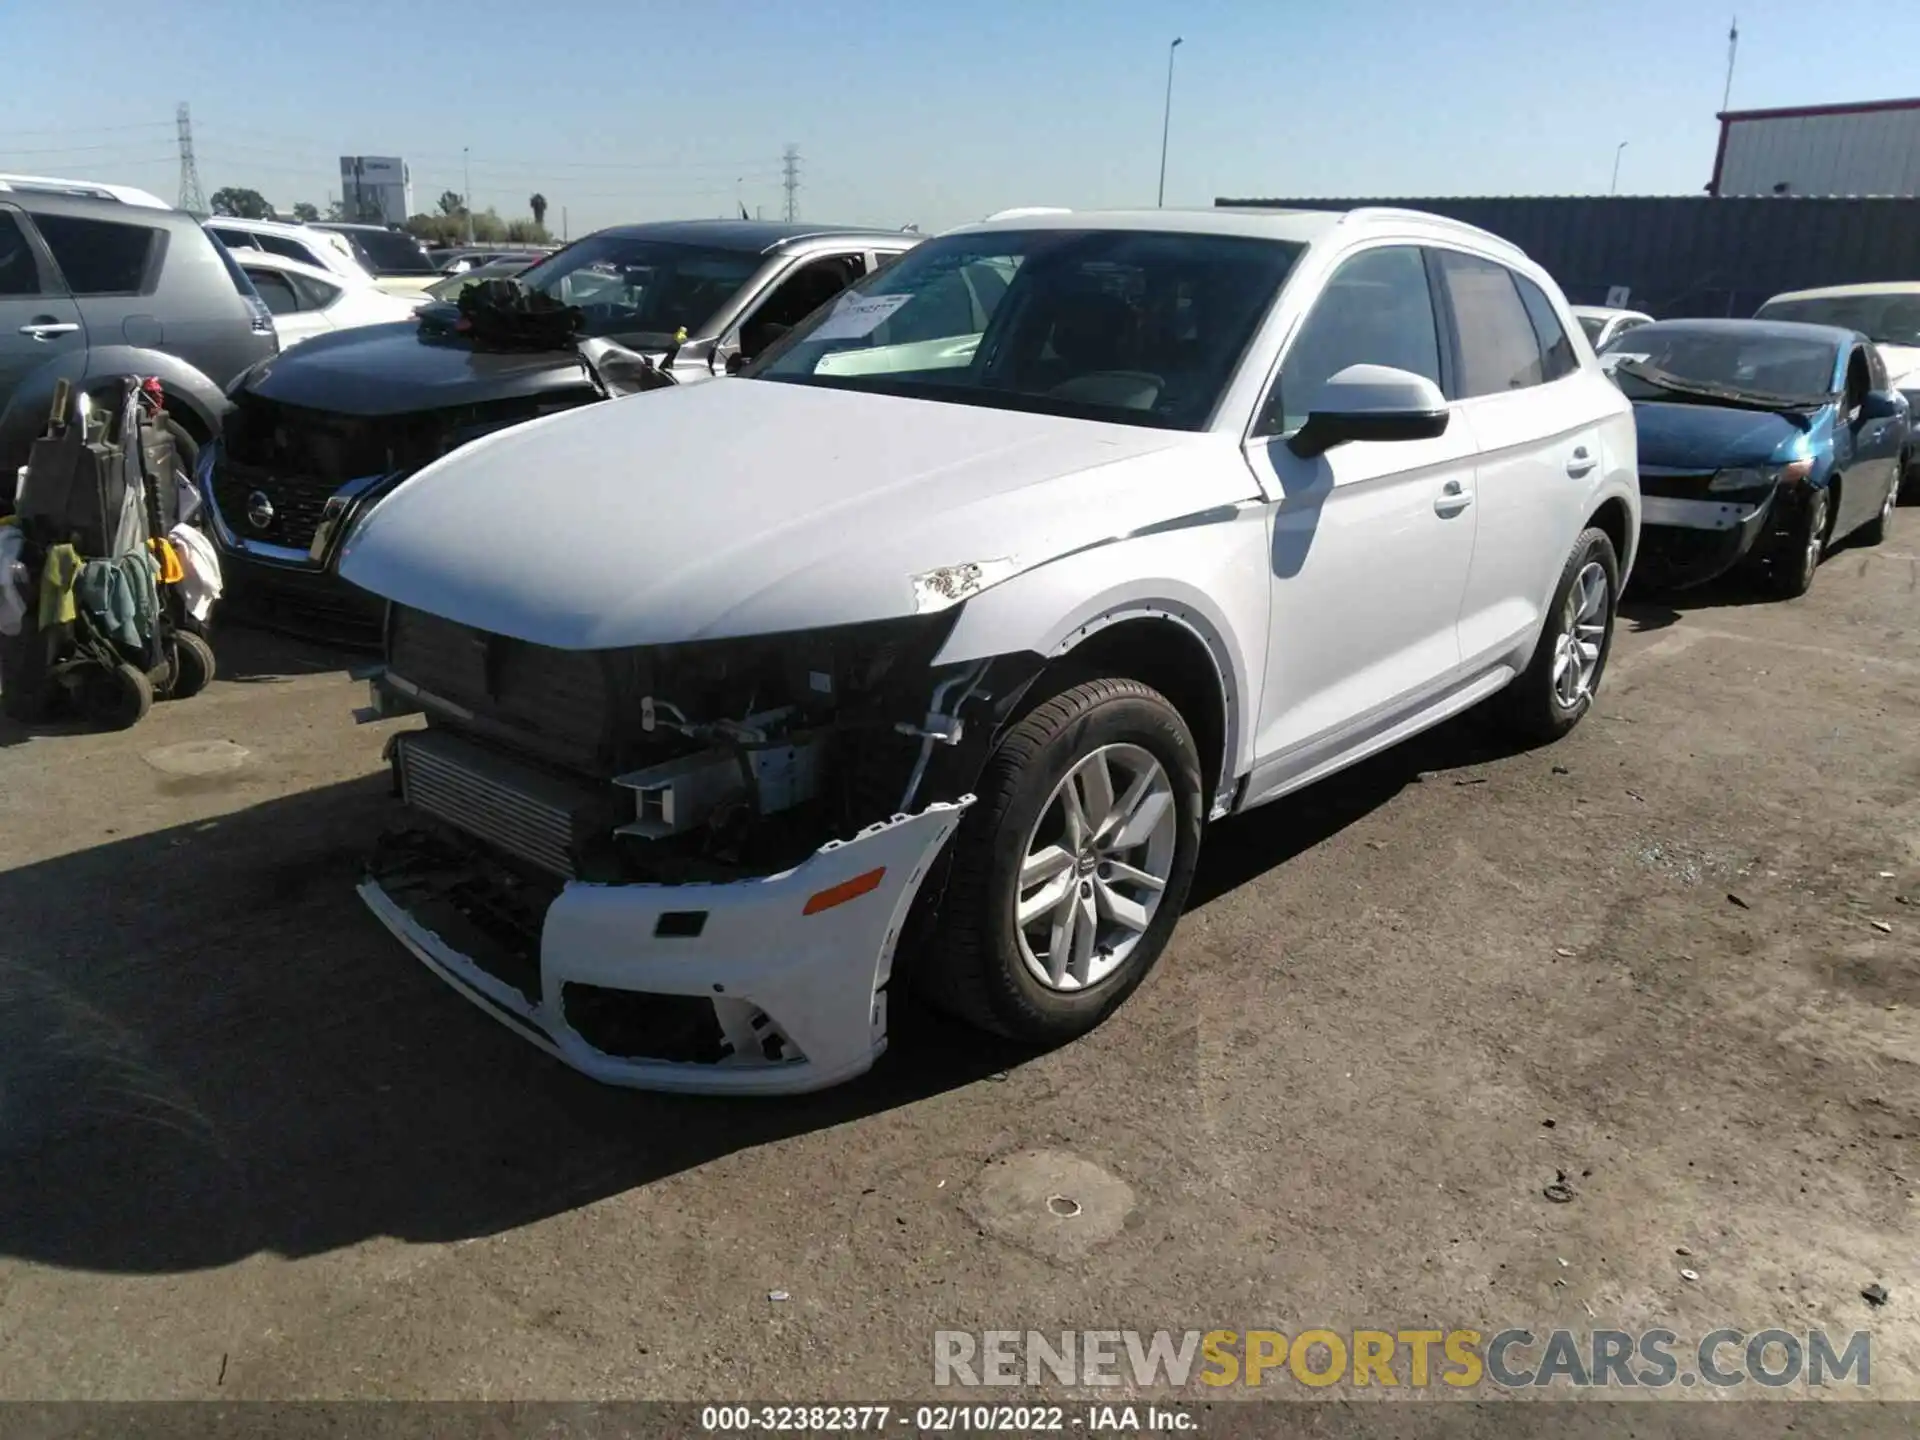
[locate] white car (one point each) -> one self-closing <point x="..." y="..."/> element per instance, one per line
<point x="308" y="301"/>
<point x="736" y="692"/>
<point x="1602" y="323"/>
<point x="1887" y="313"/>
<point x="305" y="243"/>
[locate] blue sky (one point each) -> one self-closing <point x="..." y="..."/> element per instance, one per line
<point x="916" y="112"/>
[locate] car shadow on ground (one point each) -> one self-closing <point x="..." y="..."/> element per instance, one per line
<point x="208" y="1050"/>
<point x="1645" y="609"/>
<point x="249" y="654"/>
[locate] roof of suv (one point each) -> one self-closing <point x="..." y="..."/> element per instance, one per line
<point x="1841" y="292"/>
<point x="756" y="236"/>
<point x="1299" y="226"/>
<point x="80" y="190"/>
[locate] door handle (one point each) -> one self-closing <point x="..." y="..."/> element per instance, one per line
<point x="47" y="327"/>
<point x="1581" y="462"/>
<point x="1453" y="499"/>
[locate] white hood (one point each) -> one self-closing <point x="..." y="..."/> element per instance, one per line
<point x="753" y="507"/>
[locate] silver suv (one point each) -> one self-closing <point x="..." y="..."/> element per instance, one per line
<point x="100" y="281"/>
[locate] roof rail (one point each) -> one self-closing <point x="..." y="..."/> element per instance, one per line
<point x="1401" y="212"/>
<point x="85" y="189"/>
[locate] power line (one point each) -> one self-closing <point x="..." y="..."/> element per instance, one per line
<point x="89" y="129"/>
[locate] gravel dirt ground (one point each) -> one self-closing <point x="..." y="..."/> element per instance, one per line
<point x="250" y="1149"/>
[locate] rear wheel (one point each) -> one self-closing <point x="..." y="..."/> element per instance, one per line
<point x="1799" y="558"/>
<point x="1559" y="684"/>
<point x="1070" y="872"/>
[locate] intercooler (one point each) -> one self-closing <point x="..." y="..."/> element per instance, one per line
<point x="541" y="818"/>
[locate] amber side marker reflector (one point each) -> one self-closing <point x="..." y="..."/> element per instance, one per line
<point x="846" y="890"/>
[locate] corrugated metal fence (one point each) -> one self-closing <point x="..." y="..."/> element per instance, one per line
<point x="1682" y="255"/>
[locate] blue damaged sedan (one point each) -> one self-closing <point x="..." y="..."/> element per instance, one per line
<point x="1762" y="443"/>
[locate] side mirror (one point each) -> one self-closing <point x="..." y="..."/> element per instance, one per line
<point x="1371" y="402"/>
<point x="736" y="362"/>
<point x="1880" y="405"/>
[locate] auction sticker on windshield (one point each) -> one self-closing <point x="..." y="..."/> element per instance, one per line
<point x="1612" y="360"/>
<point x="858" y="316"/>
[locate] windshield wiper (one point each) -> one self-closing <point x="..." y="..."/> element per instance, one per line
<point x="1723" y="394"/>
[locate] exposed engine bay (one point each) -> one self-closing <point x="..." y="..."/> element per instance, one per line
<point x="700" y="762"/>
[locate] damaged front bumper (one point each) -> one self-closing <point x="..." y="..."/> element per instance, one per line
<point x="763" y="986"/>
<point x="1689" y="541"/>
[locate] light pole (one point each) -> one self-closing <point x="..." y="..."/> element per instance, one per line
<point x="1166" y="122"/>
<point x="1614" y="188"/>
<point x="466" y="172"/>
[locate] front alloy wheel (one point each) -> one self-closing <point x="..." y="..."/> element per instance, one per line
<point x="1070" y="872"/>
<point x="1799" y="558"/>
<point x="1097" y="864"/>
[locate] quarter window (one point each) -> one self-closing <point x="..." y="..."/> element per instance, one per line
<point x="1376" y="310"/>
<point x="98" y="257"/>
<point x="276" y="289"/>
<point x="1498" y="348"/>
<point x="1555" y="347"/>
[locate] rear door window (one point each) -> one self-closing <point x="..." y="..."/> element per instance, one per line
<point x="99" y="257"/>
<point x="1499" y="350"/>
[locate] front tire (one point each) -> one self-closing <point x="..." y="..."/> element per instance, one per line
<point x="1799" y="559"/>
<point x="1875" y="530"/>
<point x="1070" y="872"/>
<point x="1559" y="683"/>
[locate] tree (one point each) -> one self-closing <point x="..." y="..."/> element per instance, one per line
<point x="452" y="202"/>
<point x="241" y="203"/>
<point x="537" y="203"/>
<point x="306" y="212"/>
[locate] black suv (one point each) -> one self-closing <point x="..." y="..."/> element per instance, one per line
<point x="100" y="281"/>
<point x="317" y="437"/>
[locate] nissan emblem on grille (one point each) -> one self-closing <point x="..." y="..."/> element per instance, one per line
<point x="259" y="510"/>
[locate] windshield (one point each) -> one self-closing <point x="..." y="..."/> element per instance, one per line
<point x="640" y="290"/>
<point x="1887" y="319"/>
<point x="390" y="252"/>
<point x="1593" y="325"/>
<point x="1751" y="362"/>
<point x="1139" y="327"/>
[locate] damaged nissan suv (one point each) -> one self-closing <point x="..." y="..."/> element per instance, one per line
<point x="942" y="635"/>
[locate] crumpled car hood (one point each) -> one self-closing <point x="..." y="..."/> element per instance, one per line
<point x="1713" y="437"/>
<point x="755" y="507"/>
<point x="393" y="369"/>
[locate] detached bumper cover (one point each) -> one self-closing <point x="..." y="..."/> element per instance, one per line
<point x="798" y="998"/>
<point x="1688" y="542"/>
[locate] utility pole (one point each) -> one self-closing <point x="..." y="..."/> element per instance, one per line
<point x="790" y="180"/>
<point x="1733" y="48"/>
<point x="1620" y="149"/>
<point x="191" y="199"/>
<point x="563" y="224"/>
<point x="466" y="200"/>
<point x="1166" y="122"/>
